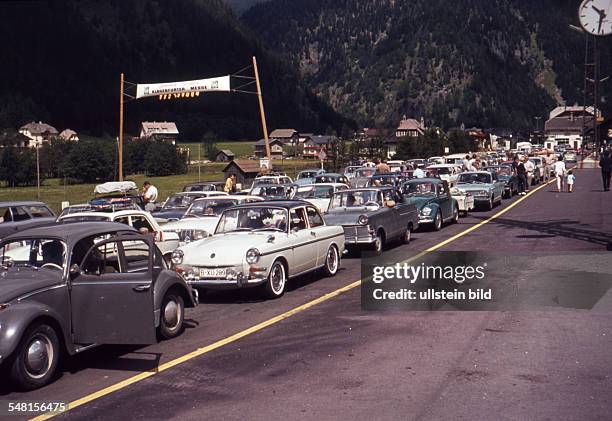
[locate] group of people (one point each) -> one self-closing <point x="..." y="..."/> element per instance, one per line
<point x="472" y="163"/>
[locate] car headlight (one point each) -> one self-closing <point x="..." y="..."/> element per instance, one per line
<point x="177" y="257"/>
<point x="362" y="220"/>
<point x="4" y="306"/>
<point x="483" y="193"/>
<point x="426" y="211"/>
<point x="252" y="256"/>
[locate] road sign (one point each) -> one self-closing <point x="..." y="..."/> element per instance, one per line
<point x="264" y="163"/>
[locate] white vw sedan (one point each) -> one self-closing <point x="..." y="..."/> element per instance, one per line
<point x="263" y="244"/>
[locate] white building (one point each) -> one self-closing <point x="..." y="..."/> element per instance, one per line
<point x="37" y="133"/>
<point x="565" y="125"/>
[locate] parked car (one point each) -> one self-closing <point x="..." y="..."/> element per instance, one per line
<point x="263" y="244"/>
<point x="446" y="172"/>
<point x="319" y="194"/>
<point x="274" y="191"/>
<point x="116" y="195"/>
<point x="392" y="179"/>
<point x="372" y="217"/>
<point x="349" y="171"/>
<point x="362" y="177"/>
<point x="86" y="207"/>
<point x="176" y="205"/>
<point x="433" y="200"/>
<point x="330" y="177"/>
<point x="140" y="220"/>
<point x="308" y="176"/>
<point x="485" y="186"/>
<point x="205" y="186"/>
<point x="17" y="216"/>
<point x="80" y="285"/>
<point x="202" y="217"/>
<point x="273" y="179"/>
<point x="510" y="180"/>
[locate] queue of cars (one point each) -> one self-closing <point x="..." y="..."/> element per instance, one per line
<point x="107" y="272"/>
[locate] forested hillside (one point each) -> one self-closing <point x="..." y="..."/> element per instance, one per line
<point x="61" y="63"/>
<point x="489" y="63"/>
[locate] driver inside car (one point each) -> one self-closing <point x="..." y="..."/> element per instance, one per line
<point x="52" y="253"/>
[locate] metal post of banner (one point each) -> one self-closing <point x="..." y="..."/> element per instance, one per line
<point x="199" y="161"/>
<point x="37" y="171"/>
<point x="261" y="111"/>
<point x="120" y="152"/>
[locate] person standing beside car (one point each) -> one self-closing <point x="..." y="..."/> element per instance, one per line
<point x="606" y="169"/>
<point x="549" y="161"/>
<point x="530" y="169"/>
<point x="150" y="194"/>
<point x="560" y="171"/>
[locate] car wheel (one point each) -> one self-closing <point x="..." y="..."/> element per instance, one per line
<point x="172" y="315"/>
<point x="277" y="279"/>
<point x="379" y="243"/>
<point x="407" y="235"/>
<point x="437" y="225"/>
<point x="332" y="261"/>
<point x="455" y="215"/>
<point x="36" y="357"/>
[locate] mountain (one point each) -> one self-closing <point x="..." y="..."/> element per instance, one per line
<point x="242" y="5"/>
<point x="61" y="62"/>
<point x="491" y="63"/>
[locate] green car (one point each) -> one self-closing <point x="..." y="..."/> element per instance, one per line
<point x="432" y="198"/>
<point x="486" y="187"/>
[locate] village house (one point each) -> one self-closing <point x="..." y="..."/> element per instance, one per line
<point x="163" y="131"/>
<point x="565" y="125"/>
<point x="409" y="127"/>
<point x="287" y="136"/>
<point x="37" y="133"/>
<point x="276" y="148"/>
<point x="224" y="155"/>
<point x="69" y="135"/>
<point x="316" y="144"/>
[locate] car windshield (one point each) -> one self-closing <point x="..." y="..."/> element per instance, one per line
<point x="37" y="253"/>
<point x="440" y="170"/>
<point x="326" y="179"/>
<point x="253" y="219"/>
<point x="272" y="191"/>
<point x="504" y="171"/>
<point x="352" y="199"/>
<point x="474" y="178"/>
<point x="307" y="174"/>
<point x="418" y="189"/>
<point x="178" y="201"/>
<point x="209" y="207"/>
<point x="314" y="192"/>
<point x="384" y="181"/>
<point x="83" y="218"/>
<point x="365" y="172"/>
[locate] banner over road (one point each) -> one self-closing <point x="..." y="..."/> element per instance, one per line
<point x="216" y="84"/>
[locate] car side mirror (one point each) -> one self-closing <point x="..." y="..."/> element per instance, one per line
<point x="75" y="271"/>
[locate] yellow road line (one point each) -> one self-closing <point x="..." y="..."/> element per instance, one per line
<point x="253" y="329"/>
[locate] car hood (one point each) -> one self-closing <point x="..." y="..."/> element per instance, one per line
<point x="227" y="249"/>
<point x="170" y="213"/>
<point x="419" y="201"/>
<point x="474" y="187"/>
<point x="16" y="282"/>
<point x="207" y="223"/>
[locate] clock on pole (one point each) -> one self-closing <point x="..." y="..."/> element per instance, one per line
<point x="596" y="16"/>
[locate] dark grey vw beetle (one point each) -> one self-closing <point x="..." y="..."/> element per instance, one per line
<point x="372" y="216"/>
<point x="65" y="288"/>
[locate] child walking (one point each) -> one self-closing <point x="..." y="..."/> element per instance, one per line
<point x="570" y="180"/>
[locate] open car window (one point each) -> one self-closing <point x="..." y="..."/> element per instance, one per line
<point x="36" y="253"/>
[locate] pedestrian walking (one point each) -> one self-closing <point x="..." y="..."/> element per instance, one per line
<point x="466" y="163"/>
<point x="571" y="178"/>
<point x="530" y="169"/>
<point x="560" y="172"/>
<point x="549" y="161"/>
<point x="518" y="168"/>
<point x="383" y="168"/>
<point x="230" y="184"/>
<point x="606" y="169"/>
<point x="149" y="195"/>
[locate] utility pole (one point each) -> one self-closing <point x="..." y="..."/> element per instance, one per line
<point x="37" y="172"/>
<point x="261" y="111"/>
<point x="199" y="161"/>
<point x="120" y="152"/>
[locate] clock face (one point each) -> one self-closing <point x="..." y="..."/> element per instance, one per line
<point x="596" y="16"/>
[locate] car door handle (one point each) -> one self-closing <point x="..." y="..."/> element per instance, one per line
<point x="314" y="234"/>
<point x="142" y="288"/>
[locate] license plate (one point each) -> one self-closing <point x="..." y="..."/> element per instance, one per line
<point x="213" y="273"/>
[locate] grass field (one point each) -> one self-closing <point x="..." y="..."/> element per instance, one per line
<point x="240" y="149"/>
<point x="54" y="192"/>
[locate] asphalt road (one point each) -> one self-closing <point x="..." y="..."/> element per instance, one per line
<point x="333" y="360"/>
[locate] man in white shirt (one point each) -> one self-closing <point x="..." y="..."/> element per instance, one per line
<point x="530" y="168"/>
<point x="150" y="196"/>
<point x="418" y="173"/>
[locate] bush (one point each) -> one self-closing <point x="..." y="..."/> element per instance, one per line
<point x="91" y="161"/>
<point x="18" y="166"/>
<point x="162" y="159"/>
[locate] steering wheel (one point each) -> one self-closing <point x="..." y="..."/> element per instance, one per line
<point x="371" y="203"/>
<point x="52" y="265"/>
